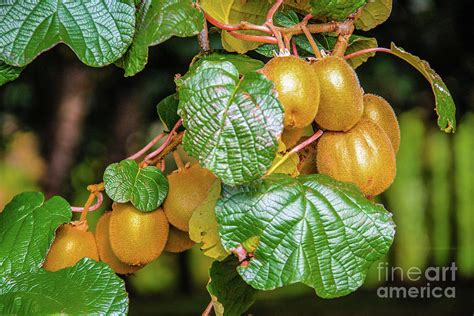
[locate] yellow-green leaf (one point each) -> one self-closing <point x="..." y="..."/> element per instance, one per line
<point x="358" y="43"/>
<point x="233" y="12"/>
<point x="289" y="167"/>
<point x="375" y="12"/>
<point x="203" y="227"/>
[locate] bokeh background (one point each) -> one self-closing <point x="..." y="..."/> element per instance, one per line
<point x="62" y="123"/>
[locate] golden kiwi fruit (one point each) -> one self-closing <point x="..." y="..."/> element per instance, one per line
<point x="341" y="104"/>
<point x="297" y="90"/>
<point x="106" y="253"/>
<point x="363" y="156"/>
<point x="379" y="111"/>
<point x="71" y="244"/>
<point x="178" y="241"/>
<point x="188" y="188"/>
<point x="136" y="237"/>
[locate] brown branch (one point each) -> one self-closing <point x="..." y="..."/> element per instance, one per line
<point x="203" y="40"/>
<point x="242" y="26"/>
<point x="273" y="10"/>
<point x="175" y="142"/>
<point x="254" y="38"/>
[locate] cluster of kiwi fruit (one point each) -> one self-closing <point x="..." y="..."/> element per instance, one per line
<point x="361" y="133"/>
<point x="126" y="238"/>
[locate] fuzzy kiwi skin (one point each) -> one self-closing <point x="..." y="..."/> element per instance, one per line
<point x="341" y="104"/>
<point x="379" y="111"/>
<point x="136" y="237"/>
<point x="297" y="90"/>
<point x="70" y="245"/>
<point x="106" y="254"/>
<point x="178" y="241"/>
<point x="363" y="156"/>
<point x="187" y="190"/>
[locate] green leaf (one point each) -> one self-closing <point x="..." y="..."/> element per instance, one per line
<point x="267" y="50"/>
<point x="286" y="19"/>
<point x="8" y="73"/>
<point x="27" y="227"/>
<point x="89" y="287"/>
<point x="301" y="6"/>
<point x="243" y="63"/>
<point x="168" y="111"/>
<point x="374" y="13"/>
<point x="203" y="227"/>
<point x="145" y="187"/>
<point x="232" y="122"/>
<point x="230" y="294"/>
<point x="98" y="31"/>
<point x="233" y="12"/>
<point x="311" y="229"/>
<point x="157" y="21"/>
<point x="445" y="107"/>
<point x="335" y="9"/>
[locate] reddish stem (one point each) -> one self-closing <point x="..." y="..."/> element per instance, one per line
<point x="307" y="142"/>
<point x="153" y="154"/>
<point x="273" y="10"/>
<point x="236" y="27"/>
<point x="98" y="204"/>
<point x="147" y="147"/>
<point x="368" y="50"/>
<point x="293" y="46"/>
<point x="208" y="309"/>
<point x="254" y="38"/>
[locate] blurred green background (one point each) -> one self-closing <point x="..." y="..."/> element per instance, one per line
<point x="62" y="123"/>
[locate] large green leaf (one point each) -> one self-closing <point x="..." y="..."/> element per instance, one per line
<point x="157" y="21"/>
<point x="8" y="73"/>
<point x="145" y="187"/>
<point x="89" y="287"/>
<point x="232" y="122"/>
<point x="98" y="31"/>
<point x="374" y="13"/>
<point x="311" y="229"/>
<point x="27" y="227"/>
<point x="445" y="107"/>
<point x="230" y="294"/>
<point x="233" y="12"/>
<point x="335" y="9"/>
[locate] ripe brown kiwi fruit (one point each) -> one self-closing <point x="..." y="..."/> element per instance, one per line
<point x="136" y="237"/>
<point x="363" y="155"/>
<point x="178" y="241"/>
<point x="297" y="89"/>
<point x="72" y="243"/>
<point x="188" y="187"/>
<point x="379" y="111"/>
<point x="341" y="104"/>
<point x="106" y="254"/>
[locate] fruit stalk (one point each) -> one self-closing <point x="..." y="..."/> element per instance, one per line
<point x="88" y="204"/>
<point x="296" y="149"/>
<point x="208" y="309"/>
<point x="142" y="151"/>
<point x="153" y="154"/>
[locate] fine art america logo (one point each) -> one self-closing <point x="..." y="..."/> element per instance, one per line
<point x="432" y="282"/>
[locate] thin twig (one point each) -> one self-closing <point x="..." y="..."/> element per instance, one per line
<point x="208" y="309"/>
<point x="295" y="149"/>
<point x="153" y="154"/>
<point x="203" y="40"/>
<point x="273" y="10"/>
<point x="236" y="27"/>
<point x="88" y="204"/>
<point x="175" y="142"/>
<point x="95" y="206"/>
<point x="293" y="46"/>
<point x="368" y="50"/>
<point x="142" y="151"/>
<point x="312" y="42"/>
<point x="254" y="38"/>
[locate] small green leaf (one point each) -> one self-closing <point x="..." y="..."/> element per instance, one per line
<point x="232" y="122"/>
<point x="157" y="21"/>
<point x="89" y="287"/>
<point x="312" y="229"/>
<point x="301" y="6"/>
<point x="267" y="50"/>
<point x="375" y="12"/>
<point x="243" y="63"/>
<point x="286" y="19"/>
<point x="445" y="107"/>
<point x="168" y="111"/>
<point x="8" y="73"/>
<point x="27" y="227"/>
<point x="98" y="31"/>
<point x="230" y="294"/>
<point x="335" y="9"/>
<point x="203" y="227"/>
<point x="145" y="187"/>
